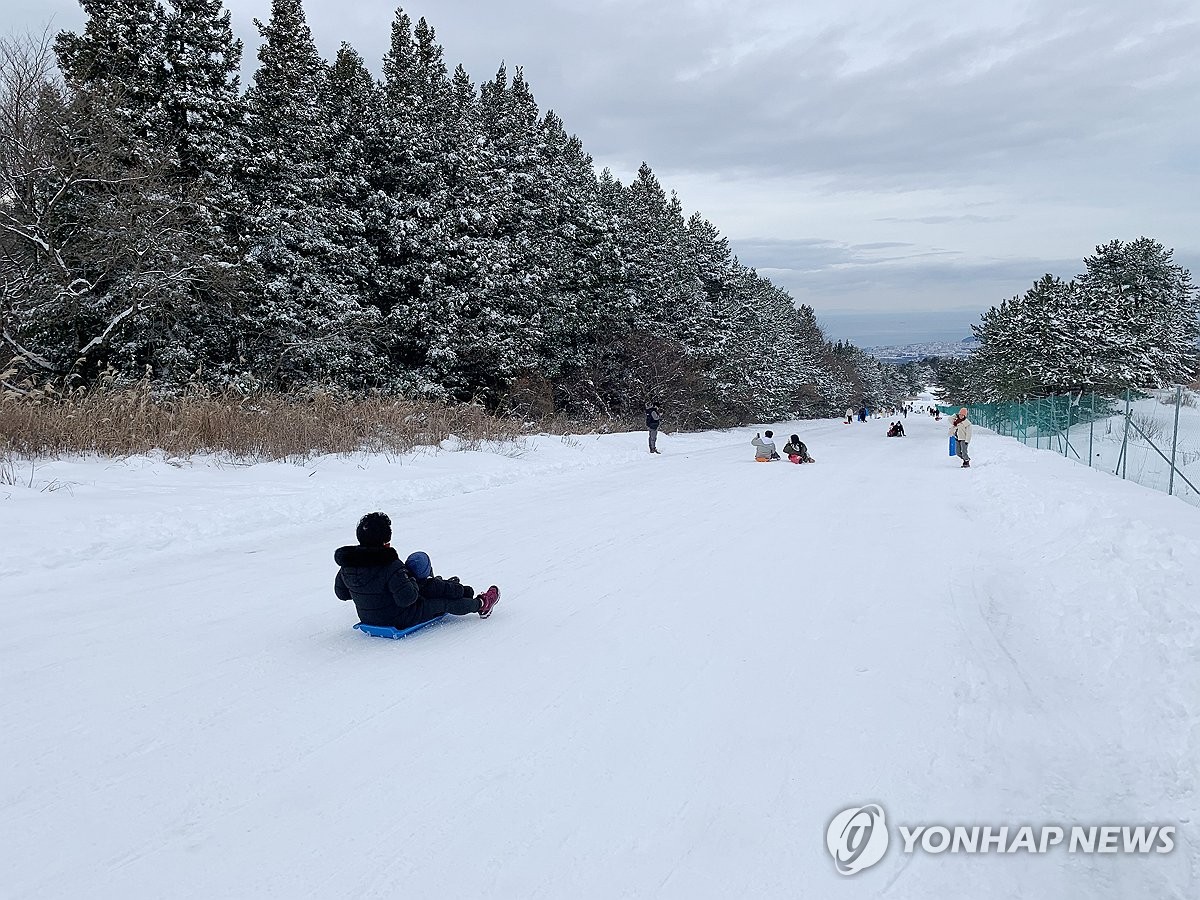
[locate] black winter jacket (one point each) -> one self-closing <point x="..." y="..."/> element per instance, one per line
<point x="377" y="582"/>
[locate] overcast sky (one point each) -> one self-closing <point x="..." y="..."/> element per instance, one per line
<point x="864" y="154"/>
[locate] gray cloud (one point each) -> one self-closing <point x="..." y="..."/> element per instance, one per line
<point x="828" y="275"/>
<point x="968" y="219"/>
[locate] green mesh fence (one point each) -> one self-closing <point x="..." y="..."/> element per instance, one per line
<point x="1151" y="437"/>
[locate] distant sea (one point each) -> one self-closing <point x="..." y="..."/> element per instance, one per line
<point x="891" y="329"/>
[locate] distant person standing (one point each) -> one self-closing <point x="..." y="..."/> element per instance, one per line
<point x="653" y="417"/>
<point x="960" y="427"/>
<point x="849" y="414"/>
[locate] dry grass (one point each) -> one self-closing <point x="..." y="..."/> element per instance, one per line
<point x="50" y="419"/>
<point x="126" y="421"/>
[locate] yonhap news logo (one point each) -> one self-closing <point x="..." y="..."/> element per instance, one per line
<point x="858" y="838"/>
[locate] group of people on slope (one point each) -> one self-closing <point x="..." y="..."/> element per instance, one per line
<point x="794" y="449"/>
<point x="388" y="592"/>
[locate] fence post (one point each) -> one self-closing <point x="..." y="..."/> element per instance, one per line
<point x="1175" y="438"/>
<point x="1092" y="430"/>
<point x="1067" y="441"/>
<point x="1060" y="440"/>
<point x="1123" y="460"/>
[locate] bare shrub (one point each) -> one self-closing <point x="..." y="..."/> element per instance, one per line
<point x="1150" y="428"/>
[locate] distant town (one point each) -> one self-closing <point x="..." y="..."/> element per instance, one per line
<point x="912" y="352"/>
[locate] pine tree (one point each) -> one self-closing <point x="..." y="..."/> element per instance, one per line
<point x="135" y="241"/>
<point x="356" y="109"/>
<point x="201" y="93"/>
<point x="201" y="104"/>
<point x="1150" y="307"/>
<point x="408" y="215"/>
<point x="1129" y="321"/>
<point x="119" y="64"/>
<point x="303" y="321"/>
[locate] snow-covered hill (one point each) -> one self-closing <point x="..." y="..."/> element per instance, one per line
<point x="697" y="661"/>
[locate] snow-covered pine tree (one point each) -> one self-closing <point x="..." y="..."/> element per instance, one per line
<point x="1129" y="321"/>
<point x="809" y="370"/>
<point x="706" y="332"/>
<point x="654" y="243"/>
<point x="512" y="319"/>
<point x="118" y="65"/>
<point x="1030" y="345"/>
<point x="201" y="94"/>
<point x="128" y="249"/>
<point x="411" y="222"/>
<point x="1151" y="312"/>
<point x="661" y="293"/>
<point x="355" y="107"/>
<point x="201" y="103"/>
<point x="472" y="258"/>
<point x="303" y="321"/>
<point x="577" y="241"/>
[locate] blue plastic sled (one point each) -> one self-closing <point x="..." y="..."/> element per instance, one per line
<point x="387" y="631"/>
<point x="953" y="445"/>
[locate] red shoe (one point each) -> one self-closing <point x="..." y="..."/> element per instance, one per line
<point x="488" y="600"/>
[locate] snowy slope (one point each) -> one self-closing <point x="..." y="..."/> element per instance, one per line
<point x="697" y="661"/>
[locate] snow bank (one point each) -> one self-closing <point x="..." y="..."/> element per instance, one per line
<point x="697" y="662"/>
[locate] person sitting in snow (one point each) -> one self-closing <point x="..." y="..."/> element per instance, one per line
<point x="796" y="452"/>
<point x="765" y="451"/>
<point x="386" y="591"/>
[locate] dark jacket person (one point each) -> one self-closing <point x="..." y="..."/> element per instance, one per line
<point x="386" y="592"/>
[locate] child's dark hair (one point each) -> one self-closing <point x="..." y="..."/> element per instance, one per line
<point x="769" y="433"/>
<point x="795" y="438"/>
<point x="374" y="529"/>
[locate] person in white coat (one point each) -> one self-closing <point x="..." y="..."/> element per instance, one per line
<point x="764" y="450"/>
<point x="960" y="427"/>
